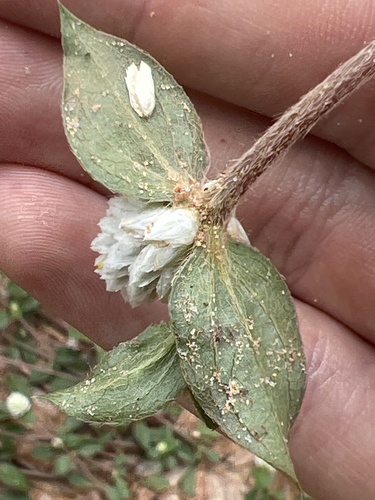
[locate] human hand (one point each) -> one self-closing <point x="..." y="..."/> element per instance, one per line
<point x="312" y="213"/>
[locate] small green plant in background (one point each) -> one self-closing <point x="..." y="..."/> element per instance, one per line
<point x="20" y="305"/>
<point x="263" y="488"/>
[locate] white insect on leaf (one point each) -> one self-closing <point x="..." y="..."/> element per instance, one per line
<point x="141" y="88"/>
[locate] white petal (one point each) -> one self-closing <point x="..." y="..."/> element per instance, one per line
<point x="165" y="281"/>
<point x="136" y="295"/>
<point x="111" y="274"/>
<point x="141" y="272"/>
<point x="102" y="243"/>
<point x="126" y="239"/>
<point x="136" y="223"/>
<point x="99" y="263"/>
<point x="175" y="226"/>
<point x="109" y="225"/>
<point x="141" y="88"/>
<point x="116" y="284"/>
<point x="119" y="205"/>
<point x="108" y="273"/>
<point x="121" y="255"/>
<point x="153" y="258"/>
<point x="237" y="232"/>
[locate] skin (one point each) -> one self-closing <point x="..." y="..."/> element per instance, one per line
<point x="313" y="213"/>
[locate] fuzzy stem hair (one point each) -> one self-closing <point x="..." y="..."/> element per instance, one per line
<point x="291" y="127"/>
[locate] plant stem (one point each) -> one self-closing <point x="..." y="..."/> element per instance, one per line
<point x="293" y="125"/>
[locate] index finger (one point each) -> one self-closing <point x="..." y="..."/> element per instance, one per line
<point x="259" y="54"/>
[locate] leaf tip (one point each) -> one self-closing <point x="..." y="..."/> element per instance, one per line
<point x="64" y="12"/>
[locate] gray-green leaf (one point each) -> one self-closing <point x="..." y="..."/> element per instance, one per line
<point x="144" y="157"/>
<point x="134" y="380"/>
<point x="239" y="345"/>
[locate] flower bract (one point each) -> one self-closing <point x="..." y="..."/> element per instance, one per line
<point x="141" y="246"/>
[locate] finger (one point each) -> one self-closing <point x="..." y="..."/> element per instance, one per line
<point x="264" y="62"/>
<point x="30" y="92"/>
<point x="333" y="442"/>
<point x="47" y="224"/>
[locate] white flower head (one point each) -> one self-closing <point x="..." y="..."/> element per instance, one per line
<point x="141" y="246"/>
<point x="141" y="88"/>
<point x="17" y="404"/>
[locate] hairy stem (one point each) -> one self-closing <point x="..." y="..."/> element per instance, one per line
<point x="293" y="125"/>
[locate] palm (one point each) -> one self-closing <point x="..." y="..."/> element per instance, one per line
<point x="312" y="214"/>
